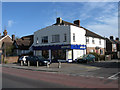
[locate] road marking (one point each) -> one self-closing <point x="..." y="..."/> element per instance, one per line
<point x="114" y="76"/>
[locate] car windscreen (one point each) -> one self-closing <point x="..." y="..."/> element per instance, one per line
<point x="41" y="58"/>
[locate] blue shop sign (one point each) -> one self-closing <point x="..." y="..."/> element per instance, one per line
<point x="81" y="47"/>
<point x="58" y="47"/>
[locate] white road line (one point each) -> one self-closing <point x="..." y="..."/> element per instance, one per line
<point x="113" y="76"/>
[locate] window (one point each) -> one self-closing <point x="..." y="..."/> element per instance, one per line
<point x="87" y="40"/>
<point x="101" y="51"/>
<point x="73" y="37"/>
<point x="45" y="39"/>
<point x="65" y="37"/>
<point x="55" y="38"/>
<point x="100" y="41"/>
<point x="93" y="41"/>
<point x="37" y="41"/>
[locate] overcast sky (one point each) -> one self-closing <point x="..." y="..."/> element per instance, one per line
<point x="24" y="18"/>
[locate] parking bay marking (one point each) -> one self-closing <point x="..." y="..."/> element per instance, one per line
<point x="115" y="76"/>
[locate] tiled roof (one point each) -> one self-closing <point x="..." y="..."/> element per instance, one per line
<point x="25" y="42"/>
<point x="88" y="32"/>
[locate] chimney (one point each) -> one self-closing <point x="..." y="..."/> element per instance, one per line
<point x="117" y="39"/>
<point x="59" y="20"/>
<point x="13" y="37"/>
<point x="5" y="32"/>
<point x="111" y="37"/>
<point x="77" y="22"/>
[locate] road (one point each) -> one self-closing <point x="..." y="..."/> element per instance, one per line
<point x="19" y="78"/>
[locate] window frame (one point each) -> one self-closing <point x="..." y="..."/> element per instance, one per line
<point x="55" y="37"/>
<point x="73" y="37"/>
<point x="65" y="37"/>
<point x="93" y="41"/>
<point x="43" y="39"/>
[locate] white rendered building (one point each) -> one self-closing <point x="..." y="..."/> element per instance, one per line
<point x="62" y="40"/>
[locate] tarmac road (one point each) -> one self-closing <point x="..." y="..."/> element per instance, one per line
<point x="19" y="78"/>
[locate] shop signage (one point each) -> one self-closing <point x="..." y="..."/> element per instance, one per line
<point x="56" y="47"/>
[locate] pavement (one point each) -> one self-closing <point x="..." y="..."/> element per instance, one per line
<point x="103" y="69"/>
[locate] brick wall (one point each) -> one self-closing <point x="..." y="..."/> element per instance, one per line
<point x="92" y="48"/>
<point x="12" y="59"/>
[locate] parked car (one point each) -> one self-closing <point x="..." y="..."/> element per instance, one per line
<point x="22" y="58"/>
<point x="41" y="60"/>
<point x="86" y="58"/>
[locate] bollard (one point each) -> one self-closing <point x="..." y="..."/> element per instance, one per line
<point x="21" y="63"/>
<point x="59" y="65"/>
<point x="48" y="64"/>
<point x="37" y="64"/>
<point x="28" y="63"/>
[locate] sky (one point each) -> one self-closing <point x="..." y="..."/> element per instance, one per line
<point x="24" y="18"/>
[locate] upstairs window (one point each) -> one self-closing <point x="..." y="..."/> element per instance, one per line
<point x="87" y="40"/>
<point x="55" y="38"/>
<point x="93" y="41"/>
<point x="45" y="39"/>
<point x="37" y="41"/>
<point x="65" y="37"/>
<point x="73" y="37"/>
<point x="100" y="41"/>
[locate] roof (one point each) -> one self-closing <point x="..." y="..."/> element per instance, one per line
<point x="24" y="43"/>
<point x="3" y="37"/>
<point x="88" y="32"/>
<point x="117" y="41"/>
<point x="7" y="44"/>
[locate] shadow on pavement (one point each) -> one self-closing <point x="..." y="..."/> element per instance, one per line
<point x="104" y="64"/>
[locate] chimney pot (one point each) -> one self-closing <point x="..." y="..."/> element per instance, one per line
<point x="5" y="32"/>
<point x="13" y="37"/>
<point x="77" y="22"/>
<point x="111" y="37"/>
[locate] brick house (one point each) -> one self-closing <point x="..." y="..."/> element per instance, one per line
<point x="23" y="45"/>
<point x="113" y="47"/>
<point x="5" y="40"/>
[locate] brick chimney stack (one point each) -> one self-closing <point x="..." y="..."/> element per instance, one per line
<point x="77" y="22"/>
<point x="117" y="39"/>
<point x="59" y="20"/>
<point x="111" y="37"/>
<point x="5" y="32"/>
<point x="13" y="37"/>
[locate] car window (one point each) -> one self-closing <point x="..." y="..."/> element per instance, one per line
<point x="21" y="57"/>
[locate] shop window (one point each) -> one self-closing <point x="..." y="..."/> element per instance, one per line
<point x="55" y="38"/>
<point x="45" y="39"/>
<point x="45" y="54"/>
<point x="73" y="37"/>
